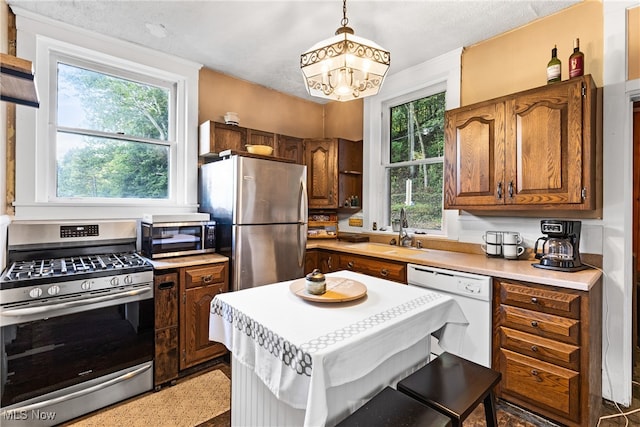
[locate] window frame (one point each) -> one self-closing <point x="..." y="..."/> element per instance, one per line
<point x="171" y="142"/>
<point x="41" y="39"/>
<point x="442" y="72"/>
<point x="386" y="149"/>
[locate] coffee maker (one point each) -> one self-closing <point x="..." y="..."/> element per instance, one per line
<point x="560" y="248"/>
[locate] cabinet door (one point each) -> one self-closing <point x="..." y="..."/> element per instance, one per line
<point x="474" y="156"/>
<point x="544" y="147"/>
<point x="166" y="328"/>
<point x="321" y="157"/>
<point x="327" y="261"/>
<point x="195" y="344"/>
<point x="310" y="261"/>
<point x="216" y="137"/>
<point x="291" y="148"/>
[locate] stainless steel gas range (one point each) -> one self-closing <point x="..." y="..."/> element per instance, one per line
<point x="76" y="320"/>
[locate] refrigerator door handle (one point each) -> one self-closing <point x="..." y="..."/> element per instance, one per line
<point x="302" y="243"/>
<point x="302" y="202"/>
<point x="302" y="228"/>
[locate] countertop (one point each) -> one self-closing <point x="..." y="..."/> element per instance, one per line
<point x="186" y="261"/>
<point x="471" y="263"/>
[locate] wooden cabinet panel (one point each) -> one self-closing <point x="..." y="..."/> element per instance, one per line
<point x="474" y="156"/>
<point x="215" y="137"/>
<point x="555" y="388"/>
<point x="291" y="148"/>
<point x="551" y="351"/>
<point x="322" y="179"/>
<point x="258" y="137"/>
<point x="545" y="325"/>
<point x="327" y="261"/>
<point x="310" y="261"/>
<point x="532" y="150"/>
<point x="395" y="271"/>
<point x="166" y="327"/>
<point x="545" y="300"/>
<point x="205" y="275"/>
<point x="196" y="347"/>
<point x="548" y="346"/>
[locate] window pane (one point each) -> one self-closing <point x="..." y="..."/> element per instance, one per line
<point x="100" y="102"/>
<point x="417" y="129"/>
<point x="109" y="168"/>
<point x="418" y="189"/>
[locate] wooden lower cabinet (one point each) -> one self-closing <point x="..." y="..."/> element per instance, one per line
<point x="182" y="299"/>
<point x="390" y="270"/>
<point x="198" y="286"/>
<point x="548" y="347"/>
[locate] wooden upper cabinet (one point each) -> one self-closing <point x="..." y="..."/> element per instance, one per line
<point x="216" y="137"/>
<point x="321" y="157"/>
<point x="290" y="147"/>
<point x="531" y="150"/>
<point x="258" y="137"/>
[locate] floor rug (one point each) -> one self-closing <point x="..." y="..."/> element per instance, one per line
<point x="187" y="404"/>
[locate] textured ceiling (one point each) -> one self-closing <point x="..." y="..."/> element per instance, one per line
<point x="261" y="41"/>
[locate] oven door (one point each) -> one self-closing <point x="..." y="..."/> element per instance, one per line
<point x="54" y="354"/>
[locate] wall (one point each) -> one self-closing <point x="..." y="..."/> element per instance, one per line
<point x="344" y="119"/>
<point x="633" y="43"/>
<point x="257" y="106"/>
<point x="511" y="62"/>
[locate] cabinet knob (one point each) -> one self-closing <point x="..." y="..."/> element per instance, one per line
<point x="350" y="264"/>
<point x="534" y="300"/>
<point x="535" y="373"/>
<point x="207" y="279"/>
<point x="534" y="348"/>
<point x="384" y="272"/>
<point x="534" y="324"/>
<point x="329" y="264"/>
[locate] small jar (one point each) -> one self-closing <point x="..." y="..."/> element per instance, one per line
<point x="315" y="283"/>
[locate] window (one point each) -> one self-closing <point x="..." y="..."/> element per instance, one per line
<point x="116" y="132"/>
<point x="113" y="134"/>
<point x="416" y="156"/>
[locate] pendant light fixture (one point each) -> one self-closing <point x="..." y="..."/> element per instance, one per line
<point x="344" y="67"/>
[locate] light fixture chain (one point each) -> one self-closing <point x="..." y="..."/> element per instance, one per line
<point x="345" y="20"/>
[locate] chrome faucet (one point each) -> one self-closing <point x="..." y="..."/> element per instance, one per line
<point x="403" y="236"/>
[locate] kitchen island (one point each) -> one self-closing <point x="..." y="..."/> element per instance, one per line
<point x="297" y="362"/>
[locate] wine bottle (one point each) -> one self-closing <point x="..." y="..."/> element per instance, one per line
<point x="576" y="61"/>
<point x="554" y="69"/>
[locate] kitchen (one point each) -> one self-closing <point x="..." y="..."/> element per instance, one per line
<point x="608" y="237"/>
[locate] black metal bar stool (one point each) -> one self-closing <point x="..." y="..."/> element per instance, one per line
<point x="390" y="408"/>
<point x="454" y="387"/>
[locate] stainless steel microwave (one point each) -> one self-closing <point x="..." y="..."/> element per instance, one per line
<point x="172" y="239"/>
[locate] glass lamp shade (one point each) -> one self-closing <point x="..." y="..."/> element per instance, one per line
<point x="344" y="67"/>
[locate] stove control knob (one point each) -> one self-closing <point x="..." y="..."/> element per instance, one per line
<point x="54" y="290"/>
<point x="128" y="280"/>
<point x="35" y="292"/>
<point x="86" y="285"/>
<point x="115" y="281"/>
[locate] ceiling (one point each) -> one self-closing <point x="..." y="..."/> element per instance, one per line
<point x="261" y="41"/>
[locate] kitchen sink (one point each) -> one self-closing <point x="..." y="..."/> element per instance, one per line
<point x="381" y="248"/>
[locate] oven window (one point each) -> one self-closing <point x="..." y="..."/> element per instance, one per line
<point x="46" y="355"/>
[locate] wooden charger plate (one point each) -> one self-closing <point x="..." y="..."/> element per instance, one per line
<point x="339" y="289"/>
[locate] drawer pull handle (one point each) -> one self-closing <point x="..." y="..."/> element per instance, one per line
<point x="384" y="272"/>
<point x="534" y="348"/>
<point x="329" y="264"/>
<point x="535" y="373"/>
<point x="534" y="324"/>
<point x="534" y="300"/>
<point x="350" y="264"/>
<point x="207" y="279"/>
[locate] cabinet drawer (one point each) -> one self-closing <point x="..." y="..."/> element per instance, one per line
<point x="544" y="300"/>
<point x="565" y="355"/>
<point x="166" y="299"/>
<point x="372" y="267"/>
<point x="206" y="275"/>
<point x="541" y="324"/>
<point x="545" y="385"/>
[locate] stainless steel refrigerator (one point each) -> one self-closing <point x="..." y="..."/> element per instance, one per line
<point x="260" y="208"/>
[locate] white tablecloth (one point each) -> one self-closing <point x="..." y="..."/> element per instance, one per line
<point x="301" y="349"/>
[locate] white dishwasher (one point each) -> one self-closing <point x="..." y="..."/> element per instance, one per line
<point x="473" y="294"/>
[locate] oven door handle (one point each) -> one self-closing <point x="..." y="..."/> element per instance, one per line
<point x="60" y="306"/>
<point x="83" y="392"/>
